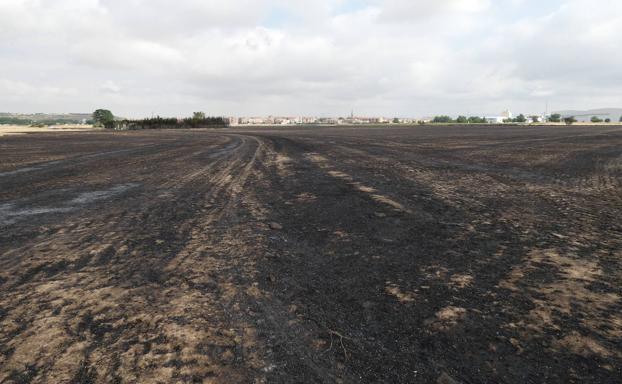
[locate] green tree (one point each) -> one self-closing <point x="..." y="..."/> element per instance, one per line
<point x="477" y="120"/>
<point x="570" y="120"/>
<point x="103" y="117"/>
<point x="198" y="115"/>
<point x="535" y="118"/>
<point x="520" y="119"/>
<point x="462" y="120"/>
<point x="555" y="118"/>
<point x="596" y="119"/>
<point x="442" y="119"/>
<point x="396" y="121"/>
<point x="607" y="120"/>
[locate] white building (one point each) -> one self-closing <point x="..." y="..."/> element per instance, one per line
<point x="495" y="119"/>
<point x="505" y="115"/>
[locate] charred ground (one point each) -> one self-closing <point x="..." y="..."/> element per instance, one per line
<point x="475" y="254"/>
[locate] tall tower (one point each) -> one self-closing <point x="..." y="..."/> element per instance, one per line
<point x="507" y="114"/>
<point x="546" y="111"/>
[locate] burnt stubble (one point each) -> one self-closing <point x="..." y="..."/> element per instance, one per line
<point x="476" y="254"/>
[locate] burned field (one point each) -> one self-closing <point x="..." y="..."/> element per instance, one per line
<point x="402" y="255"/>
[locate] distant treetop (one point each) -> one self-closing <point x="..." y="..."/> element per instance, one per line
<point x="555" y="118"/>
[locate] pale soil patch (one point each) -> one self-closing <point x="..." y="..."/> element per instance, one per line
<point x="403" y="297"/>
<point x="6" y="130"/>
<point x="568" y="293"/>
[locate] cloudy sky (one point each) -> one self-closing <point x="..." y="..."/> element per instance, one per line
<point x="407" y="58"/>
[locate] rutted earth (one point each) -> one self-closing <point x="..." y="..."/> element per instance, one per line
<point x="401" y="255"/>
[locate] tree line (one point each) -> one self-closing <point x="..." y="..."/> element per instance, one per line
<point x="596" y="119"/>
<point x="557" y="118"/>
<point x="443" y="119"/>
<point x="106" y="119"/>
<point x="554" y="118"/>
<point x="482" y="120"/>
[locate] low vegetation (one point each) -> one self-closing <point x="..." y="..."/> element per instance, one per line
<point x="200" y="121"/>
<point x="520" y="119"/>
<point x="105" y="118"/>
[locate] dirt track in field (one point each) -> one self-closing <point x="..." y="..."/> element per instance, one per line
<point x="398" y="255"/>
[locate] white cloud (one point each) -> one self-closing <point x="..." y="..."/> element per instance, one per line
<point x="420" y="9"/>
<point x="391" y="57"/>
<point x="110" y="87"/>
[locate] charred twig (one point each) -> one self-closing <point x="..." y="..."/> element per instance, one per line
<point x="341" y="337"/>
<point x="332" y="333"/>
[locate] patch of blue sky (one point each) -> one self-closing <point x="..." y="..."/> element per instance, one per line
<point x="523" y="9"/>
<point x="278" y="17"/>
<point x="351" y="6"/>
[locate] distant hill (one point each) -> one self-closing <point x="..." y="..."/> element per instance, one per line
<point x="585" y="115"/>
<point x="44" y="118"/>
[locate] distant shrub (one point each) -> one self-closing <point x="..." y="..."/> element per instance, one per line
<point x="570" y="120"/>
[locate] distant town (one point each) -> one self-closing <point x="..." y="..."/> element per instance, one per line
<point x="595" y="116"/>
<point x="505" y="117"/>
<point x="362" y="120"/>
